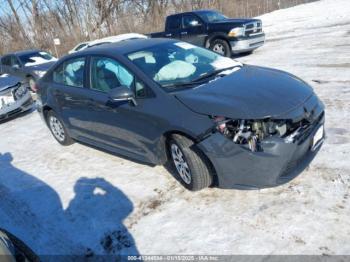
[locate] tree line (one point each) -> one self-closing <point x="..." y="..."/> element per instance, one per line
<point x="28" y="24"/>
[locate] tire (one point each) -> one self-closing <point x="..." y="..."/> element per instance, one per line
<point x="23" y="252"/>
<point x="31" y="82"/>
<point x="191" y="165"/>
<point x="247" y="53"/>
<point x="58" y="130"/>
<point x="221" y="47"/>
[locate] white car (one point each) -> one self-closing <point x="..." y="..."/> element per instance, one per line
<point x="110" y="39"/>
<point x="15" y="97"/>
<point x="78" y="47"/>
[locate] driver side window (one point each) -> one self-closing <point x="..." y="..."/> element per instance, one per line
<point x="190" y="21"/>
<point x="14" y="61"/>
<point x="107" y="73"/>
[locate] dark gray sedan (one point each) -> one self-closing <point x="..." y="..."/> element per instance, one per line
<point x="219" y="122"/>
<point x="29" y="65"/>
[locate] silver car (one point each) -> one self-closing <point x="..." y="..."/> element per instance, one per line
<point x="15" y="97"/>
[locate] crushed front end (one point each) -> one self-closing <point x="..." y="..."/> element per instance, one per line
<point x="14" y="100"/>
<point x="250" y="153"/>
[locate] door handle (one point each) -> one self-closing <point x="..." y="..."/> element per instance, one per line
<point x="183" y="33"/>
<point x="168" y="35"/>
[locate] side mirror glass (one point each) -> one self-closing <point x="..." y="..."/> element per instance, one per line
<point x="122" y="93"/>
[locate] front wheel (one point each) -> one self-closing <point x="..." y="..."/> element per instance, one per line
<point x="57" y="129"/>
<point x="191" y="165"/>
<point x="221" y="47"/>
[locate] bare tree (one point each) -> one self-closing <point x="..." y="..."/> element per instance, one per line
<point x="34" y="23"/>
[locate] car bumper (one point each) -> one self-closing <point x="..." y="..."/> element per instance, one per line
<point x="21" y="105"/>
<point x="247" y="45"/>
<point x="280" y="162"/>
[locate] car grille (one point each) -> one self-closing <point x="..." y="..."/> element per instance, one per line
<point x="253" y="28"/>
<point x="11" y="113"/>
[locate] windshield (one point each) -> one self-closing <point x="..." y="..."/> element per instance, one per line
<point x="36" y="58"/>
<point x="212" y="16"/>
<point x="79" y="47"/>
<point x="175" y="64"/>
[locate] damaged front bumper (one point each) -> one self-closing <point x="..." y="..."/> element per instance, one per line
<point x="20" y="105"/>
<point x="280" y="160"/>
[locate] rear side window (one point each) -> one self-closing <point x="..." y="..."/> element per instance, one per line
<point x="70" y="73"/>
<point x="174" y="22"/>
<point x="80" y="47"/>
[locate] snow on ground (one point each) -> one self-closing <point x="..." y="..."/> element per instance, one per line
<point x="79" y="200"/>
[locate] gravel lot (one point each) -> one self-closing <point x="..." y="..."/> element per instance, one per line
<point x="79" y="200"/>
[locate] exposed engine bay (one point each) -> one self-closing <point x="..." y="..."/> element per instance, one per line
<point x="250" y="133"/>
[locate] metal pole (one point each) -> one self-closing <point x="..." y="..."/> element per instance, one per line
<point x="55" y="50"/>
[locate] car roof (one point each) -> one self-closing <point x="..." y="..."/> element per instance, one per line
<point x="123" y="47"/>
<point x="117" y="38"/>
<point x="23" y="52"/>
<point x="204" y="11"/>
<point x="195" y="12"/>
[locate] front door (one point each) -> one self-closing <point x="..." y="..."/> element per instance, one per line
<point x="193" y="30"/>
<point x="122" y="124"/>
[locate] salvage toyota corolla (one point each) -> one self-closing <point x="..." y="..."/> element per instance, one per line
<point x="219" y="122"/>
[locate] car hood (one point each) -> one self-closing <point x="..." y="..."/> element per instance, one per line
<point x="7" y="81"/>
<point x="249" y="93"/>
<point x="237" y="21"/>
<point x="231" y="23"/>
<point x="41" y="67"/>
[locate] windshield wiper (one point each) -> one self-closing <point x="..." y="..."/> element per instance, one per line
<point x="200" y="80"/>
<point x="213" y="73"/>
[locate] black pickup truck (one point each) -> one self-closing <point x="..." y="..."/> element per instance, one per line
<point x="213" y="30"/>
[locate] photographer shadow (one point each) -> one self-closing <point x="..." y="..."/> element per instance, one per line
<point x="91" y="225"/>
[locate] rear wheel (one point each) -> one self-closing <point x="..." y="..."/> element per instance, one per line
<point x="57" y="129"/>
<point x="191" y="165"/>
<point x="221" y="47"/>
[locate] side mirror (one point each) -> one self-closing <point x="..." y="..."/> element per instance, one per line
<point x="194" y="23"/>
<point x="122" y="93"/>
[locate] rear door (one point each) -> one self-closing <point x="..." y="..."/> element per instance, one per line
<point x="193" y="30"/>
<point x="70" y="93"/>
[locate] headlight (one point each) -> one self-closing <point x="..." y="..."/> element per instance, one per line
<point x="249" y="133"/>
<point x="238" y="31"/>
<point x="40" y="73"/>
<point x="20" y="91"/>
